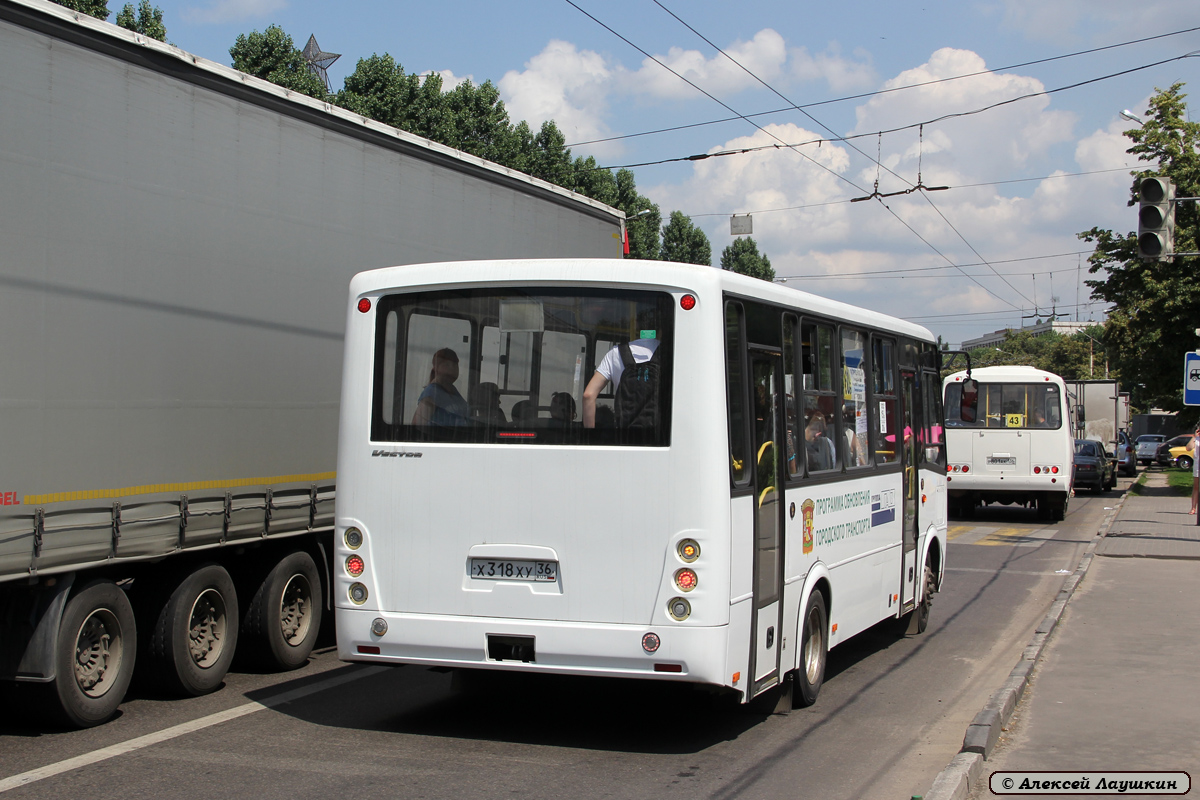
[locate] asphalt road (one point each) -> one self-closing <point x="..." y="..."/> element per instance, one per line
<point x="891" y="714"/>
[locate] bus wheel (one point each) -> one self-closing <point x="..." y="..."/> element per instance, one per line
<point x="283" y="619"/>
<point x="814" y="647"/>
<point x="94" y="654"/>
<point x="195" y="633"/>
<point x="921" y="612"/>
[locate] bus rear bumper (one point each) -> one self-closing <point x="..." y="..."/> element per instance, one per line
<point x="691" y="654"/>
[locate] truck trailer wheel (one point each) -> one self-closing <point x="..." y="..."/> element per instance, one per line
<point x="195" y="633"/>
<point x="94" y="655"/>
<point x="283" y="619"/>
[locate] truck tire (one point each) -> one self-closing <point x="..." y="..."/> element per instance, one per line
<point x="814" y="649"/>
<point x="283" y="619"/>
<point x="94" y="654"/>
<point x="195" y="633"/>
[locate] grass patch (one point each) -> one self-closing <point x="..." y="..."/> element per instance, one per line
<point x="1180" y="480"/>
<point x="1137" y="486"/>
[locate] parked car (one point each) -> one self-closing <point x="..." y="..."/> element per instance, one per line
<point x="1170" y="451"/>
<point x="1093" y="466"/>
<point x="1147" y="447"/>
<point x="1127" y="459"/>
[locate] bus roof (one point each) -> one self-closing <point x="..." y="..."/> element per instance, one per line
<point x="620" y="272"/>
<point x="1005" y="373"/>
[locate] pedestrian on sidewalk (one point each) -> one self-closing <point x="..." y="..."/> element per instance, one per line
<point x="1195" y="468"/>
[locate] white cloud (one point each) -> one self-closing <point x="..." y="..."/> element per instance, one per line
<point x="823" y="235"/>
<point x="223" y="11"/>
<point x="764" y="55"/>
<point x="564" y="84"/>
<point x="841" y="74"/>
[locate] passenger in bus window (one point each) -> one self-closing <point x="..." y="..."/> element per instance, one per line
<point x="485" y="404"/>
<point x="562" y="409"/>
<point x="612" y="367"/>
<point x="817" y="444"/>
<point x="856" y="444"/>
<point x="440" y="403"/>
<point x="1039" y="419"/>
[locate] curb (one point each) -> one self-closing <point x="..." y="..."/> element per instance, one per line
<point x="964" y="771"/>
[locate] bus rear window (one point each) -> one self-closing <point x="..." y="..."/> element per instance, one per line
<point x="1005" y="405"/>
<point x="512" y="366"/>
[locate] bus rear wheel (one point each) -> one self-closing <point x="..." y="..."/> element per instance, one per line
<point x="814" y="649"/>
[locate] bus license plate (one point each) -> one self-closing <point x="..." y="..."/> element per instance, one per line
<point x="514" y="570"/>
<point x="1004" y="461"/>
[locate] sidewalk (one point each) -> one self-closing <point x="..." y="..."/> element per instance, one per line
<point x="1111" y="679"/>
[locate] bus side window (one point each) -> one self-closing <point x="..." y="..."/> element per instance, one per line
<point x="735" y="386"/>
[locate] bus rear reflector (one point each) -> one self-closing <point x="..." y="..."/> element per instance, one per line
<point x="668" y="667"/>
<point x="368" y="649"/>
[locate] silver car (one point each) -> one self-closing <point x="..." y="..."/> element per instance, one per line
<point x="1147" y="446"/>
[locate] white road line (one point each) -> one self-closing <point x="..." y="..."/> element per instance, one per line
<point x="1003" y="571"/>
<point x="121" y="748"/>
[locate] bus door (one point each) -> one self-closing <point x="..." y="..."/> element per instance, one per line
<point x="767" y="397"/>
<point x="910" y="425"/>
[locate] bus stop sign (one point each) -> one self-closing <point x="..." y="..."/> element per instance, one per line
<point x="1191" y="379"/>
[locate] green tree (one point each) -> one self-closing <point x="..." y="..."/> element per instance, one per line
<point x="743" y="256"/>
<point x="643" y="228"/>
<point x="684" y="242"/>
<point x="1079" y="356"/>
<point x="273" y="56"/>
<point x="148" y="20"/>
<point x="93" y="8"/>
<point x="479" y="125"/>
<point x="1156" y="303"/>
<point x="380" y="89"/>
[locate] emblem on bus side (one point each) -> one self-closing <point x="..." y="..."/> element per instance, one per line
<point x="394" y="454"/>
<point x="806" y="509"/>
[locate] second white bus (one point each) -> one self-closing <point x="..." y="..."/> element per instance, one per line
<point x="787" y="492"/>
<point x="1009" y="440"/>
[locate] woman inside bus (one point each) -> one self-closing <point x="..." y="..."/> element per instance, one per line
<point x="440" y="403"/>
<point x="819" y="446"/>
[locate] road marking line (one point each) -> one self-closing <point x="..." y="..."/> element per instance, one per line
<point x="122" y="748"/>
<point x="1002" y="570"/>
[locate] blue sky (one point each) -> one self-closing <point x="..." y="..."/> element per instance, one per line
<point x="1016" y="199"/>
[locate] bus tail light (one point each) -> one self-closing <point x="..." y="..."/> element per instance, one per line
<point x="650" y="642"/>
<point x="358" y="594"/>
<point x="355" y="566"/>
<point x="686" y="579"/>
<point x="1054" y="470"/>
<point x="379" y="626"/>
<point x="688" y="550"/>
<point x="679" y="609"/>
<point x="1037" y="470"/>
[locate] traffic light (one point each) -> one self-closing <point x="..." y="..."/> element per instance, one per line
<point x="1156" y="219"/>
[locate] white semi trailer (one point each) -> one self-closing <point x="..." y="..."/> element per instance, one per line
<point x="176" y="239"/>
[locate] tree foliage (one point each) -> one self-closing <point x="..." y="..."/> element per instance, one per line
<point x="1156" y="303"/>
<point x="743" y="256"/>
<point x="273" y="56"/>
<point x="147" y="20"/>
<point x="93" y="8"/>
<point x="1078" y="356"/>
<point x="684" y="242"/>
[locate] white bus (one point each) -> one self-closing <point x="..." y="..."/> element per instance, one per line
<point x="1009" y="440"/>
<point x="785" y="491"/>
